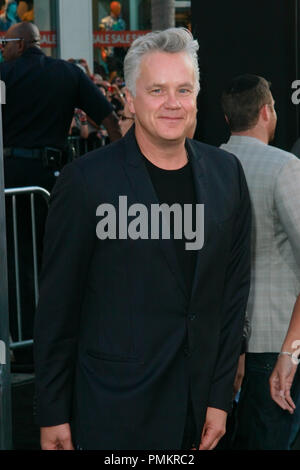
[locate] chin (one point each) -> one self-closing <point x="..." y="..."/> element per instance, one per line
<point x="171" y="134"/>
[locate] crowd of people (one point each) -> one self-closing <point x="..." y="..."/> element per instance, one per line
<point x="141" y="343"/>
<point x="88" y="135"/>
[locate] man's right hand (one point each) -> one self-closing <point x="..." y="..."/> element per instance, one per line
<point x="56" y="437"/>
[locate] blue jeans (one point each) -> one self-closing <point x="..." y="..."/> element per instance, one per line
<point x="261" y="423"/>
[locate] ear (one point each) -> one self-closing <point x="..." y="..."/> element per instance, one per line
<point x="265" y="113"/>
<point x="130" y="101"/>
<point x="21" y="47"/>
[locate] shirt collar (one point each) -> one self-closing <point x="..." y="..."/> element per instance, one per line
<point x="33" y="50"/>
<point x="244" y="139"/>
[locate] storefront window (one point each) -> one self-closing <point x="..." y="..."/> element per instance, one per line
<point x="183" y="14"/>
<point x="116" y="25"/>
<point x="40" y="12"/>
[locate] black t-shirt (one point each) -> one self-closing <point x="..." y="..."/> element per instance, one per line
<point x="177" y="186"/>
<point x="41" y="94"/>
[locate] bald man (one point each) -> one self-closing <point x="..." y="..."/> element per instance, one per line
<point x="41" y="94"/>
<point x="27" y="35"/>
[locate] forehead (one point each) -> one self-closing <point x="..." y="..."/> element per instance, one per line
<point x="165" y="66"/>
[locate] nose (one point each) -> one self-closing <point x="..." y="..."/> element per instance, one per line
<point x="172" y="101"/>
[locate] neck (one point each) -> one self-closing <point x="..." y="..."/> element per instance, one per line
<point x="167" y="155"/>
<point x="257" y="133"/>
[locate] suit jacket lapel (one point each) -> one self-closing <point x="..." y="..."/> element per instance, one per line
<point x="145" y="194"/>
<point x="200" y="182"/>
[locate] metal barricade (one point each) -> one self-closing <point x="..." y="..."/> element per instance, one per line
<point x="32" y="192"/>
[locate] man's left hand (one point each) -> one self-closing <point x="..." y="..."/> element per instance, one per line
<point x="214" y="428"/>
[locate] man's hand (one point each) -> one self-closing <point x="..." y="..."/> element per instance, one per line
<point x="239" y="375"/>
<point x="214" y="428"/>
<point x="56" y="438"/>
<point x="281" y="381"/>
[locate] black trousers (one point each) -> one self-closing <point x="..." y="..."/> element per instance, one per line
<point x="21" y="172"/>
<point x="261" y="423"/>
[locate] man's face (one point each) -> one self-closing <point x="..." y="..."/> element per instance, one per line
<point x="12" y="50"/>
<point x="165" y="103"/>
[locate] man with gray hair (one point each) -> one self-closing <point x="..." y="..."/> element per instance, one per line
<point x="139" y="347"/>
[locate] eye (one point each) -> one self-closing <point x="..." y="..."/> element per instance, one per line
<point x="184" y="91"/>
<point x="156" y="91"/>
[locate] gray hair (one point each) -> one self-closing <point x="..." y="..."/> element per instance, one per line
<point x="169" y="40"/>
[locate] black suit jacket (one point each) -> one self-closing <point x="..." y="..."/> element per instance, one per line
<point x="117" y="338"/>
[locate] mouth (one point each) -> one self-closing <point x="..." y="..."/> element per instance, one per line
<point x="171" y="118"/>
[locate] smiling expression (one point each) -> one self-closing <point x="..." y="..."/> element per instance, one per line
<point x="165" y="104"/>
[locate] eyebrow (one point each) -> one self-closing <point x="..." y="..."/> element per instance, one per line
<point x="161" y="85"/>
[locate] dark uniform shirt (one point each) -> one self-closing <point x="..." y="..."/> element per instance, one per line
<point x="41" y="94"/>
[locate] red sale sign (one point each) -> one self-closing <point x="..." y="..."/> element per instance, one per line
<point x="116" y="38"/>
<point x="101" y="38"/>
<point x="48" y="38"/>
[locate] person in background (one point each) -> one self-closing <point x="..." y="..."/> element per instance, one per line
<point x="80" y="123"/>
<point x="9" y="16"/>
<point x="282" y="377"/>
<point x="42" y="94"/>
<point x="273" y="178"/>
<point x="286" y="367"/>
<point x="126" y="119"/>
<point x="25" y="10"/>
<point x="78" y="134"/>
<point x="113" y="56"/>
<point x="83" y="64"/>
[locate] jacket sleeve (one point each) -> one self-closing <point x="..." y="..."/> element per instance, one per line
<point x="235" y="297"/>
<point x="68" y="246"/>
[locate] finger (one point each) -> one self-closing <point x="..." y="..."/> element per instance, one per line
<point x="67" y="444"/>
<point x="207" y="439"/>
<point x="282" y="402"/>
<point x="289" y="400"/>
<point x="49" y="446"/>
<point x="215" y="443"/>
